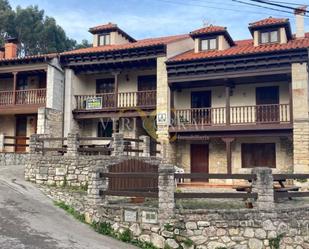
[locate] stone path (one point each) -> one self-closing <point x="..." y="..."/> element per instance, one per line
<point x="29" y="220"/>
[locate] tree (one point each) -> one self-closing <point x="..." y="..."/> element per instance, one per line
<point x="83" y="44"/>
<point x="37" y="33"/>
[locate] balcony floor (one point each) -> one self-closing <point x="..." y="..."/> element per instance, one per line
<point x="19" y="109"/>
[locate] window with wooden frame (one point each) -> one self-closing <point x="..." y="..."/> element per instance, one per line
<point x="105" y="85"/>
<point x="258" y="155"/>
<point x="208" y="44"/>
<point x="104" y="39"/>
<point x="271" y="36"/>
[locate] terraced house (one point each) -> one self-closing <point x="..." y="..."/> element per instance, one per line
<point x="217" y="104"/>
<point x="31" y="90"/>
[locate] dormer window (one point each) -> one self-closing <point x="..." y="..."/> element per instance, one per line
<point x="209" y="44"/>
<point x="104" y="39"/>
<point x="269" y="37"/>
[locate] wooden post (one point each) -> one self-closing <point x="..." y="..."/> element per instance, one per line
<point x="228" y="142"/>
<point x="14" y="87"/>
<point x="291" y="101"/>
<point x="172" y="107"/>
<point x="116" y="88"/>
<point x="227" y="104"/>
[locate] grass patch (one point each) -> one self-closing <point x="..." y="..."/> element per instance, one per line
<point x="70" y="210"/>
<point x="105" y="228"/>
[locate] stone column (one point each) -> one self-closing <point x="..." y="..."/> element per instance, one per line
<point x="34" y="144"/>
<point x="96" y="185"/>
<point x="300" y="100"/>
<point x="145" y="146"/>
<point x="1" y="142"/>
<point x="118" y="144"/>
<point x="166" y="192"/>
<point x="168" y="151"/>
<point x="264" y="187"/>
<point x="73" y="144"/>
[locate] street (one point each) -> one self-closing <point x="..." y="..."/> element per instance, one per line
<point x="29" y="220"/>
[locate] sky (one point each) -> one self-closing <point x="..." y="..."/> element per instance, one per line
<point x="154" y="18"/>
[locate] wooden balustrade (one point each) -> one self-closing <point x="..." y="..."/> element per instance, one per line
<point x="277" y="113"/>
<point x="142" y="99"/>
<point x="23" y="97"/>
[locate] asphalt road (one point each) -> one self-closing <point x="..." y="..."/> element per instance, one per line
<point x="29" y="220"/>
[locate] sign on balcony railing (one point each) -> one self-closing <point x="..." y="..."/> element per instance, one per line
<point x="94" y="103"/>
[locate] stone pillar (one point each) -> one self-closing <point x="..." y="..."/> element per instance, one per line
<point x="264" y="187"/>
<point x="1" y="142"/>
<point x="166" y="192"/>
<point x="145" y="146"/>
<point x="168" y="151"/>
<point x="73" y="144"/>
<point x="118" y="144"/>
<point x="34" y="144"/>
<point x="96" y="185"/>
<point x="300" y="104"/>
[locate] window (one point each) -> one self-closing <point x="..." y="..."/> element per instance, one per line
<point x="208" y="44"/>
<point x="258" y="155"/>
<point x="105" y="85"/>
<point x="104" y="39"/>
<point x="269" y="37"/>
<point x="105" y="129"/>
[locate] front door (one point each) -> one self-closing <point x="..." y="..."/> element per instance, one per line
<point x="199" y="158"/>
<point x="200" y="107"/>
<point x="267" y="104"/>
<point x="21" y="133"/>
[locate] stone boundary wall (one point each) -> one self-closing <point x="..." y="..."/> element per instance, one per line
<point x="207" y="229"/>
<point x="7" y="159"/>
<point x="70" y="170"/>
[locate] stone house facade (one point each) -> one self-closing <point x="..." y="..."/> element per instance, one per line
<point x="219" y="105"/>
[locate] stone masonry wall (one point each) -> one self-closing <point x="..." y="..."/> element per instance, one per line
<point x="7" y="159"/>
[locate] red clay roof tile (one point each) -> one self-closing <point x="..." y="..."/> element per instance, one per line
<point x="243" y="47"/>
<point x="103" y="27"/>
<point x="138" y="44"/>
<point x="207" y="30"/>
<point x="268" y="21"/>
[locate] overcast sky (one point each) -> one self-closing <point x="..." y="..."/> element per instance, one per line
<point x="152" y="18"/>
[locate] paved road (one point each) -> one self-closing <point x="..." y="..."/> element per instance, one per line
<point x="29" y="220"/>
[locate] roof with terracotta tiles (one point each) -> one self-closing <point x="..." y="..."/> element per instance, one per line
<point x="138" y="44"/>
<point x="103" y="27"/>
<point x="268" y="21"/>
<point x="243" y="47"/>
<point x="30" y="57"/>
<point x="208" y="30"/>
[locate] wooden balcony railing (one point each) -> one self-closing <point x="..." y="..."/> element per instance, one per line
<point x="141" y="99"/>
<point x="23" y="97"/>
<point x="278" y="113"/>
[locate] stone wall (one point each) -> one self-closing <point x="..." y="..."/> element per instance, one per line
<point x="199" y="228"/>
<point x="49" y="122"/>
<point x="7" y="159"/>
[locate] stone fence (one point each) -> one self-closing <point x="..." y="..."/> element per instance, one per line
<point x="168" y="227"/>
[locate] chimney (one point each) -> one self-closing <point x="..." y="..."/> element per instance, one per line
<point x="10" y="48"/>
<point x="300" y="26"/>
<point x="2" y="52"/>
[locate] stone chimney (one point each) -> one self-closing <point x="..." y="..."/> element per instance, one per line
<point x="10" y="48"/>
<point x="300" y="26"/>
<point x="2" y="53"/>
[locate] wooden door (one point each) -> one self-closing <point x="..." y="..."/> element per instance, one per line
<point x="21" y="133"/>
<point x="267" y="101"/>
<point x="199" y="158"/>
<point x="200" y="105"/>
<point x="146" y="86"/>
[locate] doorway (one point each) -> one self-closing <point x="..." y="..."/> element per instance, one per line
<point x="199" y="159"/>
<point x="200" y="107"/>
<point x="267" y="104"/>
<point x="21" y="133"/>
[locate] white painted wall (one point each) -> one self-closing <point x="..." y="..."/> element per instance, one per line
<point x="179" y="47"/>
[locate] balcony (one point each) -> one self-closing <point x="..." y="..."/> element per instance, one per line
<point x="124" y="100"/>
<point x="22" y="99"/>
<point x="263" y="116"/>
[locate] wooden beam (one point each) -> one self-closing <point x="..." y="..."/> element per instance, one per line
<point x="115" y="74"/>
<point x="227" y="104"/>
<point x="14" y="87"/>
<point x="228" y="141"/>
<point x="291" y="101"/>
